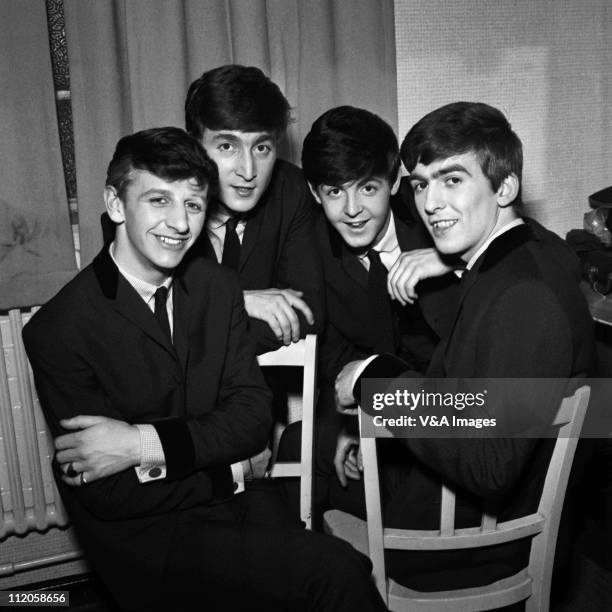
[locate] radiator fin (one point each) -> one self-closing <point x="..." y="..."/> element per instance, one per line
<point x="29" y="499"/>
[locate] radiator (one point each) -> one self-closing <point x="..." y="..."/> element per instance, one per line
<point x="29" y="500"/>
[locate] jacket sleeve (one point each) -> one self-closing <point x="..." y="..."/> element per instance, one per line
<point x="335" y="351"/>
<point x="239" y="425"/>
<point x="67" y="387"/>
<point x="533" y="346"/>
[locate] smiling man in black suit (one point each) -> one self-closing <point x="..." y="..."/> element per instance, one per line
<point x="147" y="353"/>
<point x="519" y="314"/>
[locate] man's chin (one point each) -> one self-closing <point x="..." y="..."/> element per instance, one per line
<point x="241" y="205"/>
<point x="358" y="246"/>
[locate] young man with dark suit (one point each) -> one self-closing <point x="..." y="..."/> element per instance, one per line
<point x="351" y="161"/>
<point x="374" y="251"/>
<point x="520" y="314"/>
<point x="147" y="350"/>
<point x="260" y="221"/>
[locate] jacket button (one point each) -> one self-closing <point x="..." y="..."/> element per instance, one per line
<point x="155" y="472"/>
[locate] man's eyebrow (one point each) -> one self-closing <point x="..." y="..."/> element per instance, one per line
<point x="449" y="169"/>
<point x="415" y="176"/>
<point x="265" y="136"/>
<point x="157" y="191"/>
<point x="369" y="179"/>
<point x="195" y="191"/>
<point x="225" y="136"/>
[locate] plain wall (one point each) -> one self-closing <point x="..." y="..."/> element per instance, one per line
<point x="547" y="64"/>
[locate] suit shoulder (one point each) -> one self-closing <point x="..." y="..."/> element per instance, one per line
<point x="321" y="225"/>
<point x="288" y="186"/>
<point x="209" y="275"/>
<point x="61" y="313"/>
<point x="286" y="170"/>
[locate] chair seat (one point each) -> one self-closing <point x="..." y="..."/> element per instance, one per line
<point x="495" y="595"/>
<point x="348" y="527"/>
<point x="500" y="593"/>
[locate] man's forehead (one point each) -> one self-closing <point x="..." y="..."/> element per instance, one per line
<point x="359" y="182"/>
<point x="143" y="180"/>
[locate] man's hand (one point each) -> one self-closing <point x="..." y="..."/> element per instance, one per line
<point x="410" y="268"/>
<point x="97" y="447"/>
<point x="257" y="466"/>
<point x="345" y="401"/>
<point x="277" y="308"/>
<point x="347" y="459"/>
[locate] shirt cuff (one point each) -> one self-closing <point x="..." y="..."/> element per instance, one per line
<point x="152" y="458"/>
<point x="237" y="477"/>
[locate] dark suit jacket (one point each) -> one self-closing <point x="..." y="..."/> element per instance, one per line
<point x="520" y="315"/>
<point x="96" y="348"/>
<point x="348" y="331"/>
<point x="278" y="250"/>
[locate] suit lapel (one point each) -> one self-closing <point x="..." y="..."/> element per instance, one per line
<point x="496" y="251"/>
<point x="205" y="247"/>
<point x="354" y="269"/>
<point x="126" y="300"/>
<point x="348" y="260"/>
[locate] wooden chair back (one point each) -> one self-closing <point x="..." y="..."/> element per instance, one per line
<point x="299" y="354"/>
<point x="531" y="584"/>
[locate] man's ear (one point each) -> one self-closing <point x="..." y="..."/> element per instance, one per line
<point x="313" y="190"/>
<point x="114" y="205"/>
<point x="398" y="180"/>
<point x="508" y="191"/>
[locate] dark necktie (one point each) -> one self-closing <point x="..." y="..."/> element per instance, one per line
<point x="380" y="305"/>
<point x="161" y="312"/>
<point x="231" y="245"/>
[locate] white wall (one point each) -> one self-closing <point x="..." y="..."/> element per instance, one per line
<point x="547" y="64"/>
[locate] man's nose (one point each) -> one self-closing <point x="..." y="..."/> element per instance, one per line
<point x="352" y="206"/>
<point x="178" y="219"/>
<point x="246" y="166"/>
<point x="433" y="200"/>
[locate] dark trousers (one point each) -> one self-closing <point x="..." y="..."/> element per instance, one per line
<point x="247" y="554"/>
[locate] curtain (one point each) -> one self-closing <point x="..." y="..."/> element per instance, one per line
<point x="36" y="252"/>
<point x="131" y="62"/>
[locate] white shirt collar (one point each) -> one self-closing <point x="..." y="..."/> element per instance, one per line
<point x="144" y="289"/>
<point x="388" y="243"/>
<point x="216" y="218"/>
<point x="490" y="239"/>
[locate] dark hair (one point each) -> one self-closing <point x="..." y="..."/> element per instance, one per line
<point x="346" y="144"/>
<point x="466" y="127"/>
<point x="167" y="152"/>
<point x="235" y="97"/>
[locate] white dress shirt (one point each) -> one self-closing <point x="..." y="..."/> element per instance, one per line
<point x="388" y="247"/>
